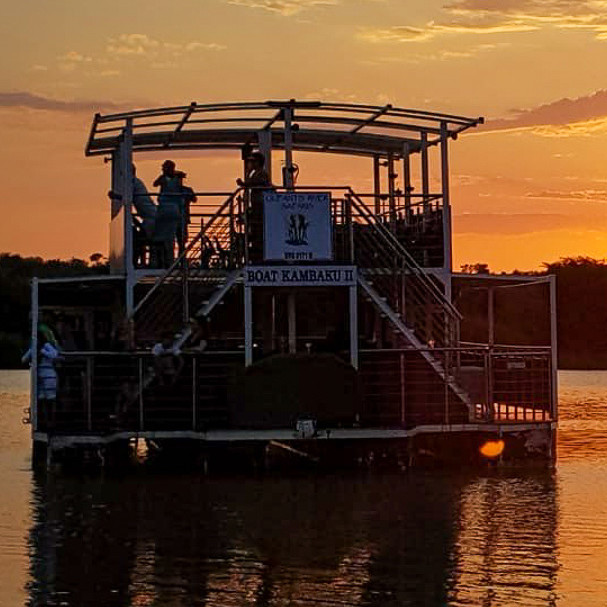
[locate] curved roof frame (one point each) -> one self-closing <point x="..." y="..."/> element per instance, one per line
<point x="343" y="128"/>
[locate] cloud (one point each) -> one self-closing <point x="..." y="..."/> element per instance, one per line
<point x="131" y="44"/>
<point x="37" y="102"/>
<point x="589" y="15"/>
<point x="564" y="117"/>
<point x="439" y="55"/>
<point x="483" y="17"/>
<point x="588" y="195"/>
<point x="286" y="8"/>
<point x="142" y="45"/>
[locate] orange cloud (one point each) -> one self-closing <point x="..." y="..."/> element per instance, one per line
<point x="586" y="110"/>
<point x="38" y="102"/>
<point x="284" y="7"/>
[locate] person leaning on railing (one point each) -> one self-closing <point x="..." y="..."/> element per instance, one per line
<point x="257" y="181"/>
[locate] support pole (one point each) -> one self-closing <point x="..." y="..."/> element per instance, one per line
<point x="34" y="358"/>
<point x="140" y="400"/>
<point x="89" y="393"/>
<point x="403" y="418"/>
<point x="391" y="191"/>
<point x="407" y="179"/>
<point x="376" y="185"/>
<point x="447" y="245"/>
<point x="491" y="316"/>
<point x="292" y="321"/>
<point x="353" y="304"/>
<point x="248" y="327"/>
<point x="425" y="170"/>
<point x="288" y="169"/>
<point x="194" y="391"/>
<point x="554" y="349"/>
<point x="127" y="200"/>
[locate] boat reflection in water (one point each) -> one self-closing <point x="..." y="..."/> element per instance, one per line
<point x="432" y="539"/>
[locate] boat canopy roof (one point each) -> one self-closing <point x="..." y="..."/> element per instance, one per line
<point x="315" y="126"/>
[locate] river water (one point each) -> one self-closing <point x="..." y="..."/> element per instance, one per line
<point x="489" y="539"/>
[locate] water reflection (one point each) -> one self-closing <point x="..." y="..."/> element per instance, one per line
<point x="431" y="539"/>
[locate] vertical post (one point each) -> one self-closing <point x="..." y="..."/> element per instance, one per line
<point x="127" y="199"/>
<point x="288" y="170"/>
<point x="553" y="349"/>
<point x="273" y="328"/>
<point x="292" y="321"/>
<point x="446" y="199"/>
<point x="391" y="191"/>
<point x="141" y="381"/>
<point x="448" y="371"/>
<point x="194" y="391"/>
<point x="185" y="278"/>
<point x="489" y="367"/>
<point x="407" y="179"/>
<point x="350" y="226"/>
<point x="402" y="390"/>
<point x="425" y="170"/>
<point x="248" y="326"/>
<point x="89" y="393"/>
<point x="353" y="305"/>
<point x="491" y="316"/>
<point x="34" y="358"/>
<point x="376" y="185"/>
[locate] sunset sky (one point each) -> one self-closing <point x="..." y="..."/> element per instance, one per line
<point x="529" y="187"/>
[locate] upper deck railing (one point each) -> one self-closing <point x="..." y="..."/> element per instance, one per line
<point x="343" y="128"/>
<point x="360" y="238"/>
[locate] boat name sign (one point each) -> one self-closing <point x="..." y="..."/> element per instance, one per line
<point x="300" y="276"/>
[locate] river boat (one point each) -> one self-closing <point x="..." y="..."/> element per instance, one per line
<point x="334" y="333"/>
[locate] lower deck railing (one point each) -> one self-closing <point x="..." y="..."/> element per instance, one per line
<point x="102" y="393"/>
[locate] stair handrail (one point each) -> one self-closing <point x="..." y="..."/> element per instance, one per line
<point x="362" y="208"/>
<point x="188" y="248"/>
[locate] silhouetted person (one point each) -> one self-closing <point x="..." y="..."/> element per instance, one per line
<point x="169" y="213"/>
<point x="257" y="181"/>
<point x="144" y="205"/>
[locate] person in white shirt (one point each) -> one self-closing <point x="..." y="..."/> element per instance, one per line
<point x="46" y="380"/>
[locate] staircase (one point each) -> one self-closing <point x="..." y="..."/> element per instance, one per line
<point x="410" y="336"/>
<point x="196" y="282"/>
<point x="404" y="294"/>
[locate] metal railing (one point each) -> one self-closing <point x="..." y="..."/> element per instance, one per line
<point x="359" y="237"/>
<point x="202" y="267"/>
<point x="102" y="392"/>
<point x="505" y="385"/>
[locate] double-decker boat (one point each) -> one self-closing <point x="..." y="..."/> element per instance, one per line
<point x="311" y="322"/>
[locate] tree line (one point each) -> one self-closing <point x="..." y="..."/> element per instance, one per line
<point x="16" y="273"/>
<point x="581" y="305"/>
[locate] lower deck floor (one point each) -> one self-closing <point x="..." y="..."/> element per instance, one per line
<point x="445" y="445"/>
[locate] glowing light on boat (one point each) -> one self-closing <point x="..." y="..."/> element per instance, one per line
<point x="492" y="448"/>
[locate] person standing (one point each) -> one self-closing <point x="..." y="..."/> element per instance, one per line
<point x="257" y="181"/>
<point x="143" y="232"/>
<point x="169" y="212"/>
<point x="46" y="379"/>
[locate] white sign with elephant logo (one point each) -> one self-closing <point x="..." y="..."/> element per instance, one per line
<point x="297" y="226"/>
